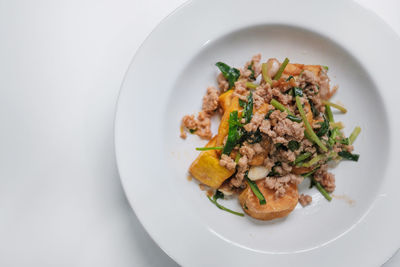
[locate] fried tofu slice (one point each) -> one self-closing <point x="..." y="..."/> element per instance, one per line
<point x="206" y="169"/>
<point x="274" y="208"/>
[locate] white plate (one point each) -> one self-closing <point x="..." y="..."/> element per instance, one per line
<point x="167" y="79"/>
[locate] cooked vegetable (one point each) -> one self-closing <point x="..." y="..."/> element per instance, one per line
<point x="348" y="155"/>
<point x="233" y="134"/>
<point x="257" y="172"/>
<point x="209" y="148"/>
<point x="248" y="109"/>
<point x="250" y="67"/>
<point x="281" y="69"/>
<point x="321" y="189"/>
<point x="223" y="129"/>
<point x="237" y="158"/>
<point x="192" y="131"/>
<point x="294" y="118"/>
<point x="218" y="195"/>
<point x="338" y="125"/>
<point x="337" y="106"/>
<point x="251" y="85"/>
<point x="325" y="67"/>
<point x="354" y="134"/>
<point x="332" y="138"/>
<point x="324" y="127"/>
<point x="344" y="141"/>
<point x="309" y="129"/>
<point x="275" y="207"/>
<point x="280" y="107"/>
<point x="314" y="111"/>
<point x="293" y="145"/>
<point x="242" y="103"/>
<point x="269" y="113"/>
<point x="302" y="157"/>
<point x="297" y="91"/>
<point x="256" y="190"/>
<point x="314" y="160"/>
<point x="290" y="77"/>
<point x="329" y="113"/>
<point x="231" y="74"/>
<point x="264" y="71"/>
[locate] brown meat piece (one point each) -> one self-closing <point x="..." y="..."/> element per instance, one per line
<point x="255" y="122"/>
<point x="305" y="200"/>
<point x="279" y="184"/>
<point x="326" y="178"/>
<point x="210" y="100"/>
<point x="223" y="84"/>
<point x="227" y="162"/>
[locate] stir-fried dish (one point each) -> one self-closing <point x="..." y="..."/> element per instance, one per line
<point x="277" y="129"/>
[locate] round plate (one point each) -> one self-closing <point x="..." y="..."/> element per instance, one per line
<point x="167" y="79"/>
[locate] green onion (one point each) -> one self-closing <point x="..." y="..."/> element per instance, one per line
<point x="269" y="113"/>
<point x="309" y="129"/>
<point x="280" y="107"/>
<point x="302" y="157"/>
<point x="290" y="77"/>
<point x="294" y="118"/>
<point x="214" y="201"/>
<point x="322" y="190"/>
<point x="256" y="191"/>
<point x="251" y="85"/>
<point x="264" y="70"/>
<point x="248" y="109"/>
<point x="337" y="106"/>
<point x="332" y="139"/>
<point x="338" y="124"/>
<point x="281" y="69"/>
<point x="310" y="173"/>
<point x="237" y="158"/>
<point x="329" y="113"/>
<point x="354" y="134"/>
<point x="314" y="160"/>
<point x="209" y="148"/>
<point x="348" y="155"/>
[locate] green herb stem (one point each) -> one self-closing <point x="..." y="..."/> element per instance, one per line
<point x="322" y="190"/>
<point x="251" y="85"/>
<point x="354" y="134"/>
<point x="248" y="109"/>
<point x="309" y="129"/>
<point x="256" y="191"/>
<point x="329" y="113"/>
<point x="302" y="157"/>
<point x="209" y="148"/>
<point x="237" y="157"/>
<point x="280" y="107"/>
<point x="348" y="155"/>
<point x="264" y="71"/>
<point x="224" y="208"/>
<point x="334" y="105"/>
<point x="281" y="69"/>
<point x="313" y="161"/>
<point x="338" y="124"/>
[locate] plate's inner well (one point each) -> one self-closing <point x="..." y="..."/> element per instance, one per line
<point x="356" y="183"/>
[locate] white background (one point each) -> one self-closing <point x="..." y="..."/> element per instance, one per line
<point x="61" y="66"/>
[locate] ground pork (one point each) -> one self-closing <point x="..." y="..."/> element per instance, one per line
<point x="243" y="166"/>
<point x="241" y="89"/>
<point x="325" y="178"/>
<point x="305" y="200"/>
<point x="255" y="122"/>
<point x="279" y="184"/>
<point x="201" y="125"/>
<point x="227" y="162"/>
<point x="210" y="100"/>
<point x="247" y="150"/>
<point x="284" y="129"/>
<point x="223" y="84"/>
<point x="284" y="99"/>
<point x="255" y="66"/>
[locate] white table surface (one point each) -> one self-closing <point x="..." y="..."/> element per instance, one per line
<point x="61" y="66"/>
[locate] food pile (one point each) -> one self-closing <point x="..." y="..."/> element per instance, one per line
<point x="277" y="129"/>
